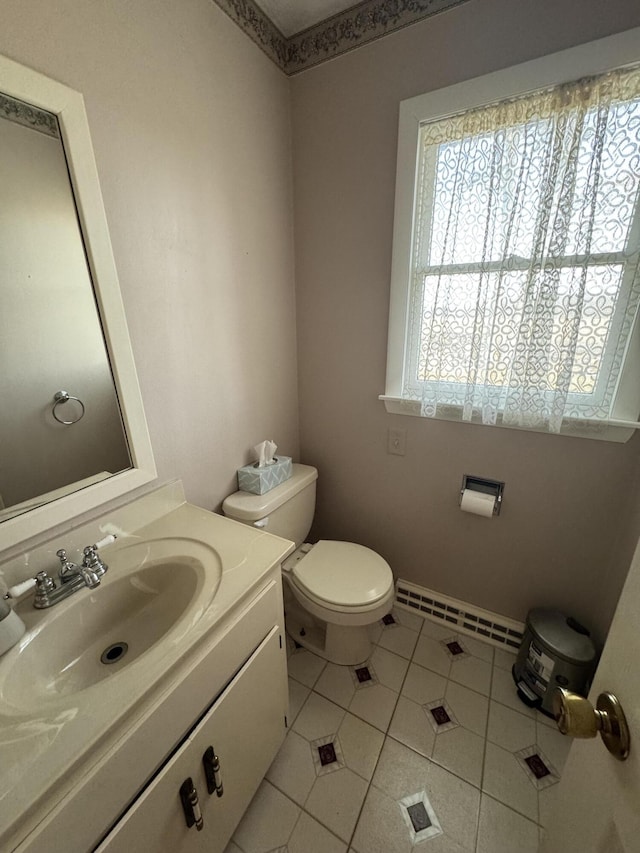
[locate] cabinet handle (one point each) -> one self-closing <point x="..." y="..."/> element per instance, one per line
<point x="191" y="804"/>
<point x="212" y="772"/>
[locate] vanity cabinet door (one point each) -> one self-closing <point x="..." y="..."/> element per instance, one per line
<point x="245" y="727"/>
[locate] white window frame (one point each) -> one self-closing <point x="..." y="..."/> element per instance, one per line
<point x="588" y="59"/>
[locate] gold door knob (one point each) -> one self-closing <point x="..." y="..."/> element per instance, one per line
<point x="576" y="717"/>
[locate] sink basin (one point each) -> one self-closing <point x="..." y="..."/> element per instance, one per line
<point x="153" y="592"/>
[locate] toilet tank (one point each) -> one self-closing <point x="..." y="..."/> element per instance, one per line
<point x="286" y="511"/>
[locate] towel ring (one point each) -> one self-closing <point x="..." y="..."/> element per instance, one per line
<point x="61" y="397"/>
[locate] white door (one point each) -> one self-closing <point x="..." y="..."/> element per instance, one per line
<point x="598" y="805"/>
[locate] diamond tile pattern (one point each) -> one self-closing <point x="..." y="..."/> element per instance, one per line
<point x="454" y="648"/>
<point x="419" y="816"/>
<point x="364" y="675"/>
<point x="439" y="714"/>
<point x="431" y="715"/>
<point x="327" y="753"/>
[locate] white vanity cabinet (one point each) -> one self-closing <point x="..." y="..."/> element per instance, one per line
<point x="243" y="729"/>
<point x="231" y="697"/>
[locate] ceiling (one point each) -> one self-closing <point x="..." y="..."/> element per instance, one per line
<point x="292" y="16"/>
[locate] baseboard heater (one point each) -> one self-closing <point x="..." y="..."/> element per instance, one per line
<point x="463" y="617"/>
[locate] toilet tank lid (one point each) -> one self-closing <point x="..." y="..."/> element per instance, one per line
<point x="243" y="506"/>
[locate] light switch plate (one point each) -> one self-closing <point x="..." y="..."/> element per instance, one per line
<point x="397" y="441"/>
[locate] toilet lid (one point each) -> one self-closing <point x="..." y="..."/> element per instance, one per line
<point x="343" y="573"/>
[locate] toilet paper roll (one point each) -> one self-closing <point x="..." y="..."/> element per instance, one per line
<point x="479" y="503"/>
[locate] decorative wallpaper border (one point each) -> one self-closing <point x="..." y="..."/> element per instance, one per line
<point x="260" y="28"/>
<point x="29" y="116"/>
<point x="361" y="24"/>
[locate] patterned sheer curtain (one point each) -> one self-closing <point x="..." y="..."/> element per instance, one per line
<point x="525" y="262"/>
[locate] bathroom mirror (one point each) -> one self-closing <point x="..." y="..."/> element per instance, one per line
<point x="72" y="429"/>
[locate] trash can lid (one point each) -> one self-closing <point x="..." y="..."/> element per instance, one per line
<point x="562" y="634"/>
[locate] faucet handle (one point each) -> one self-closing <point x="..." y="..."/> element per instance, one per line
<point x="44" y="582"/>
<point x="44" y="585"/>
<point x="19" y="589"/>
<point x="92" y="561"/>
<point x="67" y="569"/>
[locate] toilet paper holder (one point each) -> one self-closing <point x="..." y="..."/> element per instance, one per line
<point x="484" y="485"/>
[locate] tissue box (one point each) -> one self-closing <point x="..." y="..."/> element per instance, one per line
<point x="260" y="480"/>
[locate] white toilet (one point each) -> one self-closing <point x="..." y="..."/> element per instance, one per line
<point x="333" y="590"/>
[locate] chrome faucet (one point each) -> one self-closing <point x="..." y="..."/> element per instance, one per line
<point x="71" y="576"/>
<point x="48" y="594"/>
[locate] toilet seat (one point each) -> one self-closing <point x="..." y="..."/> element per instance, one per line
<point x="343" y="575"/>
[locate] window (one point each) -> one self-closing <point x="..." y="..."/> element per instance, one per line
<point x="519" y="283"/>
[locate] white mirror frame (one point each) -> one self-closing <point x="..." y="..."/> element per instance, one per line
<point x="68" y="105"/>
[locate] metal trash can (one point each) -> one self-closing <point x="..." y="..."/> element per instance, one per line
<point x="556" y="651"/>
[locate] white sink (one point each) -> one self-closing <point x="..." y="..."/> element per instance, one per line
<point x="153" y="591"/>
<point x="178" y="577"/>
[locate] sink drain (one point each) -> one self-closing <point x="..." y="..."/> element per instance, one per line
<point x="114" y="653"/>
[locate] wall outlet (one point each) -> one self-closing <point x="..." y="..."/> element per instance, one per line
<point x="397" y="441"/>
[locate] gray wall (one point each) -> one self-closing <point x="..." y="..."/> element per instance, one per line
<point x="562" y="538"/>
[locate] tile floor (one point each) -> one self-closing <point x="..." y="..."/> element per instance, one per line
<point x="426" y="746"/>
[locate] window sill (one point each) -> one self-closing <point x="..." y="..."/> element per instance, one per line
<point x="619" y="431"/>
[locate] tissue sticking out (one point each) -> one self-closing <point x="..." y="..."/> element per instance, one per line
<point x="265" y="453"/>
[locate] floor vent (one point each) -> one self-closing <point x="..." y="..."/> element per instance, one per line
<point x="463" y="617"/>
